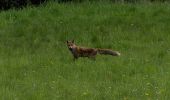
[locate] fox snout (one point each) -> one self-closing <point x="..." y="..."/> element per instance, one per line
<point x="70" y="48"/>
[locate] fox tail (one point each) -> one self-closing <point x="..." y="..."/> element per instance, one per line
<point x="108" y="52"/>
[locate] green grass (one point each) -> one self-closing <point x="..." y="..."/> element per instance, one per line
<point x="35" y="63"/>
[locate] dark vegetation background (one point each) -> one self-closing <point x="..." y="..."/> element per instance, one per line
<point x="7" y="4"/>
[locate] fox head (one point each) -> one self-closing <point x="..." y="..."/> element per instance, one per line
<point x="71" y="45"/>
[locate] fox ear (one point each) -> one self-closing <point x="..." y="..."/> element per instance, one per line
<point x="72" y="41"/>
<point x="67" y="41"/>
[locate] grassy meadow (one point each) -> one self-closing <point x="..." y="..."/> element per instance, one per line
<point x="35" y="63"/>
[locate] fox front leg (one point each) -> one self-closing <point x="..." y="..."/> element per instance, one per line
<point x="75" y="58"/>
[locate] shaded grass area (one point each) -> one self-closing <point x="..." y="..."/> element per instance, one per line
<point x="36" y="64"/>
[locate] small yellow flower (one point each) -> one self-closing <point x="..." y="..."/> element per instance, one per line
<point x="148" y="83"/>
<point x="147" y="94"/>
<point x="125" y="98"/>
<point x="84" y="93"/>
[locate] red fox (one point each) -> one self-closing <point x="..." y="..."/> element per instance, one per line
<point x="88" y="52"/>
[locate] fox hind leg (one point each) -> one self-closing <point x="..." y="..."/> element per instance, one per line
<point x="92" y="57"/>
